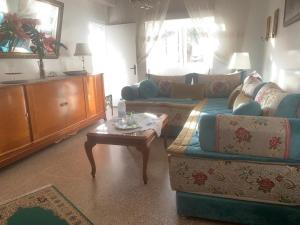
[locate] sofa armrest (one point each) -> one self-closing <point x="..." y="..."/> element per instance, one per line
<point x="249" y="135"/>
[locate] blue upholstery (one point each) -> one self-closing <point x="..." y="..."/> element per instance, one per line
<point x="170" y="100"/>
<point x="148" y="89"/>
<point x="235" y="211"/>
<point x="130" y="93"/>
<point x="249" y="109"/>
<point x="289" y="106"/>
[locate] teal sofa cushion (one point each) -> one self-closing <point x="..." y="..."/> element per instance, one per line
<point x="148" y="89"/>
<point x="130" y="93"/>
<point x="289" y="107"/>
<point x="249" y="109"/>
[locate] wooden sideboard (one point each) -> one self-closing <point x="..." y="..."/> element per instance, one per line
<point x="37" y="114"/>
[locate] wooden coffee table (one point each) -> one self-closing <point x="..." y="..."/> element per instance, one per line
<point x="141" y="140"/>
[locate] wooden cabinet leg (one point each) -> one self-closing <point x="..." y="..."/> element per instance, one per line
<point x="145" y="152"/>
<point x="165" y="141"/>
<point x="89" y="152"/>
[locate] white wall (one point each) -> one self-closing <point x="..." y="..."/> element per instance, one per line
<point x="282" y="54"/>
<point x="254" y="33"/>
<point x="77" y="16"/>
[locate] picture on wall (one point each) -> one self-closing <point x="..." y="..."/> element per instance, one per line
<point x="275" y="23"/>
<point x="268" y="30"/>
<point x="291" y="12"/>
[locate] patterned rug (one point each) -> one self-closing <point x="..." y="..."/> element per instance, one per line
<point x="46" y="206"/>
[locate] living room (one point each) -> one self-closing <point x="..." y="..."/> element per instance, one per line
<point x="207" y="131"/>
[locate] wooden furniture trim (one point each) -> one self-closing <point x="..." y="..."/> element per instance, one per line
<point x="20" y="152"/>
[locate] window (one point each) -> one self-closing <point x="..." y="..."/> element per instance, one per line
<point x="184" y="46"/>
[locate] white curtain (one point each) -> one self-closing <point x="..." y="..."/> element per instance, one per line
<point x="199" y="9"/>
<point x="148" y="31"/>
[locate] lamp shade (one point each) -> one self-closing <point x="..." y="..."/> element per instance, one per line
<point x="240" y="61"/>
<point x="82" y="49"/>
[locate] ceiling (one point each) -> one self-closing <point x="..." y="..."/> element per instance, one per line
<point x="110" y="3"/>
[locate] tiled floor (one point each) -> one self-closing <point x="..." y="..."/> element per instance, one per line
<point x="117" y="195"/>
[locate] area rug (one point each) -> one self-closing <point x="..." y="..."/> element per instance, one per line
<point x="45" y="206"/>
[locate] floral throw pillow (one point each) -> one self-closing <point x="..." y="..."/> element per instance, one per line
<point x="251" y="85"/>
<point x="165" y="88"/>
<point x="269" y="97"/>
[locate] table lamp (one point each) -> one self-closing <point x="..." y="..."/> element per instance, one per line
<point x="82" y="49"/>
<point x="240" y="61"/>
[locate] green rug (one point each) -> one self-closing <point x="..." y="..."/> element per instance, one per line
<point x="46" y="206"/>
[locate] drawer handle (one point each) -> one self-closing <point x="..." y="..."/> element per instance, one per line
<point x="63" y="104"/>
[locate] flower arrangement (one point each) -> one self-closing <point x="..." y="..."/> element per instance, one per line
<point x="14" y="30"/>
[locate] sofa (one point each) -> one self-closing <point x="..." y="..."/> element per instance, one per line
<point x="175" y="95"/>
<point x="236" y="167"/>
<point x="237" y="156"/>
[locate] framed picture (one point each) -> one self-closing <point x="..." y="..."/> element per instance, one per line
<point x="275" y="23"/>
<point x="291" y="12"/>
<point x="268" y="31"/>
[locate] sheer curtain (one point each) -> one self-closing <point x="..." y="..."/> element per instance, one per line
<point x="204" y="11"/>
<point x="149" y="30"/>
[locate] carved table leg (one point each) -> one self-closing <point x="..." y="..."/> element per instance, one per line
<point x="145" y="152"/>
<point x="89" y="152"/>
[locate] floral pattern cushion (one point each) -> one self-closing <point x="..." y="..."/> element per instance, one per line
<point x="241" y="99"/>
<point x="251" y="84"/>
<point x="234" y="94"/>
<point x="269" y="97"/>
<point x="165" y="88"/>
<point x="251" y="135"/>
<point x="243" y="180"/>
<point x="219" y="86"/>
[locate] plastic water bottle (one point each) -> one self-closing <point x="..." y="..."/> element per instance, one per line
<point x="121" y="109"/>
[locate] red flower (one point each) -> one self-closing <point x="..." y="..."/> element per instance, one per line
<point x="265" y="184"/>
<point x="211" y="171"/>
<point x="200" y="178"/>
<point x="274" y="142"/>
<point x="243" y="135"/>
<point x="279" y="178"/>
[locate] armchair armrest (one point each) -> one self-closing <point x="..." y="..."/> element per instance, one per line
<point x="250" y="135"/>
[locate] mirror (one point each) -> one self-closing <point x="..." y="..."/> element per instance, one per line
<point x="48" y="15"/>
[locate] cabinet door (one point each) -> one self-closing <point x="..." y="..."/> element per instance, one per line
<point x="90" y="89"/>
<point x="95" y="102"/>
<point x="100" y="96"/>
<point x="14" y="125"/>
<point x="75" y="101"/>
<point x="47" y="105"/>
<point x="55" y="105"/>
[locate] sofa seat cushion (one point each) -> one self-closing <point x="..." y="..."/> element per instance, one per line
<point x="165" y="100"/>
<point x="236" y="179"/>
<point x="276" y="102"/>
<point x="188" y="140"/>
<point x="178" y="110"/>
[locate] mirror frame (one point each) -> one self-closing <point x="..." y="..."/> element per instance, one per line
<point x="19" y="55"/>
